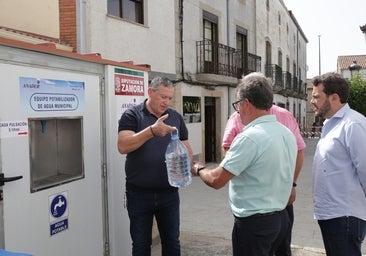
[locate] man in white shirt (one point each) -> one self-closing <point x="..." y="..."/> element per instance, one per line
<point x="339" y="168"/>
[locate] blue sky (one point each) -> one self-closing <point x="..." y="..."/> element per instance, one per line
<point x="338" y="24"/>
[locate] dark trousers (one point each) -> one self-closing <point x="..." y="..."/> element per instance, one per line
<point x="284" y="249"/>
<point x="259" y="235"/>
<point x="343" y="236"/>
<point x="142" y="207"/>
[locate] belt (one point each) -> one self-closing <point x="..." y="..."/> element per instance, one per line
<point x="263" y="214"/>
<point x="132" y="187"/>
<point x="258" y="215"/>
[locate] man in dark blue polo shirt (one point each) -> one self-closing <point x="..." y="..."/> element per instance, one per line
<point x="144" y="134"/>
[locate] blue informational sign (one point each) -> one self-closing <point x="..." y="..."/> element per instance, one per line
<point x="45" y="95"/>
<point x="58" y="206"/>
<point x="59" y="226"/>
<point x="7" y="253"/>
<point x="58" y="212"/>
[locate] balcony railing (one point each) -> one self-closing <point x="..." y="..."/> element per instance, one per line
<point x="287" y="80"/>
<point x="251" y="63"/>
<point x="254" y="63"/>
<point x="302" y="90"/>
<point x="295" y="86"/>
<point x="215" y="58"/>
<point x="301" y="86"/>
<point x="219" y="59"/>
<point x="275" y="72"/>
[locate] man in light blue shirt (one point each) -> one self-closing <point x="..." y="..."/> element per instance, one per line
<point x="260" y="166"/>
<point x="254" y="189"/>
<point x="339" y="168"/>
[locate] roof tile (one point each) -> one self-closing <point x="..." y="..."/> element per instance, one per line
<point x="343" y="62"/>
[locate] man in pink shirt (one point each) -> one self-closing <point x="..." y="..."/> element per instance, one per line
<point x="235" y="126"/>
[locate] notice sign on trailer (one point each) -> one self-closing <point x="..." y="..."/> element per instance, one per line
<point x="58" y="212"/>
<point x="129" y="88"/>
<point x="10" y="129"/>
<point x="45" y="95"/>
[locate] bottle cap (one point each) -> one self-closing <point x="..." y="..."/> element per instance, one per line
<point x="175" y="134"/>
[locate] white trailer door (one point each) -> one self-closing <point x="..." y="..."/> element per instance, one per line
<point x="50" y="136"/>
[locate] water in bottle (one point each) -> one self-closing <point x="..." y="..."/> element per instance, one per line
<point x="177" y="162"/>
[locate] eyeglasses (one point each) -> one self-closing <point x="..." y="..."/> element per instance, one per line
<point x="236" y="105"/>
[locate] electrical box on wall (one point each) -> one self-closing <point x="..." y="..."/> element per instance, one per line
<point x="56" y="151"/>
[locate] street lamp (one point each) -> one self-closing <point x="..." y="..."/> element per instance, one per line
<point x="320" y="62"/>
<point x="363" y="29"/>
<point x="354" y="67"/>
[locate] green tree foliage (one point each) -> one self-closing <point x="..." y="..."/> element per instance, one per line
<point x="357" y="97"/>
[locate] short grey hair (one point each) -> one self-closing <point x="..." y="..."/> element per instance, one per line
<point x="258" y="89"/>
<point x="157" y="81"/>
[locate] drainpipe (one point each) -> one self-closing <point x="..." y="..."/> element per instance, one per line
<point x="105" y="203"/>
<point x="298" y="74"/>
<point x="227" y="23"/>
<point x="297" y="51"/>
<point x="255" y="28"/>
<point x="181" y="37"/>
<point x="228" y="43"/>
<point x="80" y="26"/>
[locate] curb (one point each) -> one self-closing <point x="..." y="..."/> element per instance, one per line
<point x="306" y="251"/>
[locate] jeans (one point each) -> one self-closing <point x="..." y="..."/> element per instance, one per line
<point x="259" y="235"/>
<point x="142" y="207"/>
<point x="284" y="249"/>
<point x="343" y="236"/>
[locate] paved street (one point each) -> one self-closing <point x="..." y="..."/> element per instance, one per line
<point x="206" y="220"/>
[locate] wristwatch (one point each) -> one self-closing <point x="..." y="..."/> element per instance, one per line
<point x="199" y="168"/>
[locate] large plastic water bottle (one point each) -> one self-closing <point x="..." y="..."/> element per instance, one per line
<point x="177" y="162"/>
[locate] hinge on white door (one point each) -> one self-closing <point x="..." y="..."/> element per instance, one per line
<point x="106" y="249"/>
<point x="102" y="86"/>
<point x="104" y="170"/>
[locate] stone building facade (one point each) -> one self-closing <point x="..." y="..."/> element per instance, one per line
<point x="204" y="46"/>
